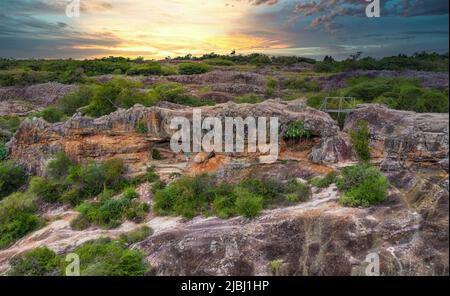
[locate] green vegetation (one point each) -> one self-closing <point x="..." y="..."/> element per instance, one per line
<point x="137" y="235"/>
<point x="12" y="177"/>
<point x="115" y="93"/>
<point x="324" y="182"/>
<point x="419" y="61"/>
<point x="150" y="68"/>
<point x="275" y="266"/>
<point x="360" y="137"/>
<point x="362" y="185"/>
<point x="296" y="131"/>
<point x="50" y="114"/>
<point x="105" y="257"/>
<point x="102" y="257"/>
<point x="156" y="155"/>
<point x="175" y="93"/>
<point x="3" y="152"/>
<point x="302" y="84"/>
<point x="192" y="68"/>
<point x="37" y="262"/>
<point x="191" y="196"/>
<point x="17" y="218"/>
<point x="141" y="127"/>
<point x="248" y="99"/>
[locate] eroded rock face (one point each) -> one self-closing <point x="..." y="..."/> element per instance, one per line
<point x="315" y="238"/>
<point x="18" y="100"/>
<point x="402" y="139"/>
<point x="116" y="135"/>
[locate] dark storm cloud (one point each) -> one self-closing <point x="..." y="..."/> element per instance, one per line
<point x="326" y="12"/>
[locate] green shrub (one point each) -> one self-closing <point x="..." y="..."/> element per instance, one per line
<point x="3" y="152"/>
<point x="12" y="177"/>
<point x="37" y="262"/>
<point x="360" y="136"/>
<point x="296" y="130"/>
<point x="192" y="68"/>
<point x="71" y="102"/>
<point x="80" y="223"/>
<point x="151" y="68"/>
<point x="136" y="235"/>
<point x="248" y="99"/>
<point x="150" y="176"/>
<point x="156" y="155"/>
<point x="110" y="258"/>
<point x="248" y="204"/>
<point x="324" y="182"/>
<point x="59" y="166"/>
<point x="130" y="193"/>
<point x="168" y="70"/>
<point x="362" y="185"/>
<point x="187" y="196"/>
<point x="303" y="84"/>
<point x="17" y="218"/>
<point x="219" y="62"/>
<point x="9" y="123"/>
<point x="46" y="190"/>
<point x="297" y="191"/>
<point x="50" y="114"/>
<point x="141" y="127"/>
<point x="116" y="93"/>
<point x="175" y="93"/>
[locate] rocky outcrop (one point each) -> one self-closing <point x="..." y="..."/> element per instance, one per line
<point x="19" y="100"/>
<point x="116" y="135"/>
<point x="319" y="237"/>
<point x="402" y="139"/>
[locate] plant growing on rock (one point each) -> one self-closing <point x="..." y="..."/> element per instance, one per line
<point x="296" y="131"/>
<point x="362" y="185"/>
<point x="360" y="136"/>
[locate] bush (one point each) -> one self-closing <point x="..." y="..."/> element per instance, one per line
<point x="297" y="191"/>
<point x="130" y="193"/>
<point x="116" y="93"/>
<point x="175" y="93"/>
<point x="324" y="182"/>
<point x="156" y="155"/>
<point x="17" y="218"/>
<point x="248" y="99"/>
<point x="219" y="62"/>
<point x="360" y="140"/>
<point x="141" y="127"/>
<point x="192" y="68"/>
<point x="46" y="190"/>
<point x="248" y="204"/>
<point x="59" y="166"/>
<point x="71" y="102"/>
<point x="3" y="152"/>
<point x="151" y="68"/>
<point x="302" y="84"/>
<point x="110" y="258"/>
<point x="50" y="114"/>
<point x="12" y="177"/>
<point x="150" y="176"/>
<point x="362" y="185"/>
<point x="296" y="130"/>
<point x="136" y="235"/>
<point x="37" y="262"/>
<point x="187" y="196"/>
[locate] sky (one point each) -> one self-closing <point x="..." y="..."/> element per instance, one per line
<point x="161" y="28"/>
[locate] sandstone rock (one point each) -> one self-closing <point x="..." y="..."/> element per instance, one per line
<point x="203" y="157"/>
<point x="115" y="135"/>
<point x="401" y="139"/>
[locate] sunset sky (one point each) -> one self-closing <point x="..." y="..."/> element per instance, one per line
<point x="161" y="28"/>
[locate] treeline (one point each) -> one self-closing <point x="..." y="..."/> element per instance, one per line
<point x="422" y="61"/>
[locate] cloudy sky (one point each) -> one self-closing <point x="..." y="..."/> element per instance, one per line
<point x="161" y="28"/>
